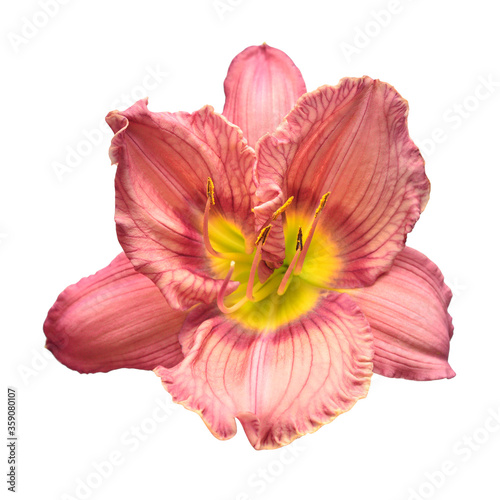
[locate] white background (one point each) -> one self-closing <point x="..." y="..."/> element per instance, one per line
<point x="92" y="56"/>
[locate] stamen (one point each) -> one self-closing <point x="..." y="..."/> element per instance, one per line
<point x="261" y="239"/>
<point x="222" y="291"/>
<point x="282" y="208"/>
<point x="210" y="202"/>
<point x="298" y="250"/>
<point x="321" y="206"/>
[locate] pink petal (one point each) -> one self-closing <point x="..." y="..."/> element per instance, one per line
<point x="116" y="318"/>
<point x="164" y="161"/>
<point x="351" y="140"/>
<point x="280" y="383"/>
<point x="407" y="310"/>
<point x="262" y="86"/>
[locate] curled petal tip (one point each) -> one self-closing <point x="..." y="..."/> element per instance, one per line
<point x="164" y="161"/>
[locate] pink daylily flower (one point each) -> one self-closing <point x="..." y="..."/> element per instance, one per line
<point x="265" y="275"/>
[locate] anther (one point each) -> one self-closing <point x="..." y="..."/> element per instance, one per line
<point x="322" y="203"/>
<point x="210" y="202"/>
<point x="211" y="190"/>
<point x="299" y="245"/>
<point x="310" y="234"/>
<point x="263" y="235"/>
<point x="282" y="208"/>
<point x="261" y="239"/>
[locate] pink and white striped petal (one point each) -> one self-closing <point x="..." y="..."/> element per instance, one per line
<point x="116" y="318"/>
<point x="351" y="140"/>
<point x="407" y="309"/>
<point x="281" y="384"/>
<point x="262" y="86"/>
<point x="164" y="160"/>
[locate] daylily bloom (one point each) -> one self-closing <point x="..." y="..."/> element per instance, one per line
<point x="264" y="278"/>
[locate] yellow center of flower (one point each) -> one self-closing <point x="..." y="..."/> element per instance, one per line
<point x="290" y="291"/>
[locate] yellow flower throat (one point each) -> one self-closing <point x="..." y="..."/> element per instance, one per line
<point x="291" y="290"/>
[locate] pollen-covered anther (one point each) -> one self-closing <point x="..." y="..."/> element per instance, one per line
<point x="299" y="245"/>
<point x="322" y="204"/>
<point x="263" y="235"/>
<point x="282" y="209"/>
<point x="286" y="278"/>
<point x="211" y="190"/>
<point x="261" y="239"/>
<point x="210" y="202"/>
<point x="310" y="234"/>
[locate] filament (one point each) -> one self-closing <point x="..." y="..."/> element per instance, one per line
<point x="220" y="296"/>
<point x="261" y="239"/>
<point x="298" y="250"/>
